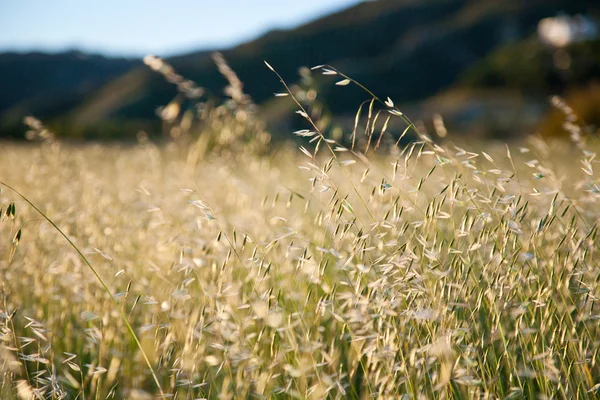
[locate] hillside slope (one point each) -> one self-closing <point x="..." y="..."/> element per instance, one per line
<point x="409" y="50"/>
<point x="50" y="85"/>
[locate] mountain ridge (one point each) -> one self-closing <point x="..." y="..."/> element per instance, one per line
<point x="408" y="50"/>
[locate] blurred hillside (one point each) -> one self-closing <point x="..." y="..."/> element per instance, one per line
<point x="51" y="85"/>
<point x="478" y="63"/>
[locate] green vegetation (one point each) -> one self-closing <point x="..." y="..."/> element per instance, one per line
<point x="353" y="268"/>
<point x="529" y="67"/>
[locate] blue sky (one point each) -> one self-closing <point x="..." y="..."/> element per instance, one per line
<point x="139" y="27"/>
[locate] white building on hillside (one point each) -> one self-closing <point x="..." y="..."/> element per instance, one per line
<point x="563" y="30"/>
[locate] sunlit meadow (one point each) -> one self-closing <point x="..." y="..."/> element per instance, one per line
<point x="248" y="269"/>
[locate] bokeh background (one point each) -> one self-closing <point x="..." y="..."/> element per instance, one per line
<point x="485" y="68"/>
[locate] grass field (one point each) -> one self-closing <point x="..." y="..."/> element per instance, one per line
<point x="423" y="272"/>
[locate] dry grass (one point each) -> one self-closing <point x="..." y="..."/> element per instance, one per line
<point x="427" y="272"/>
